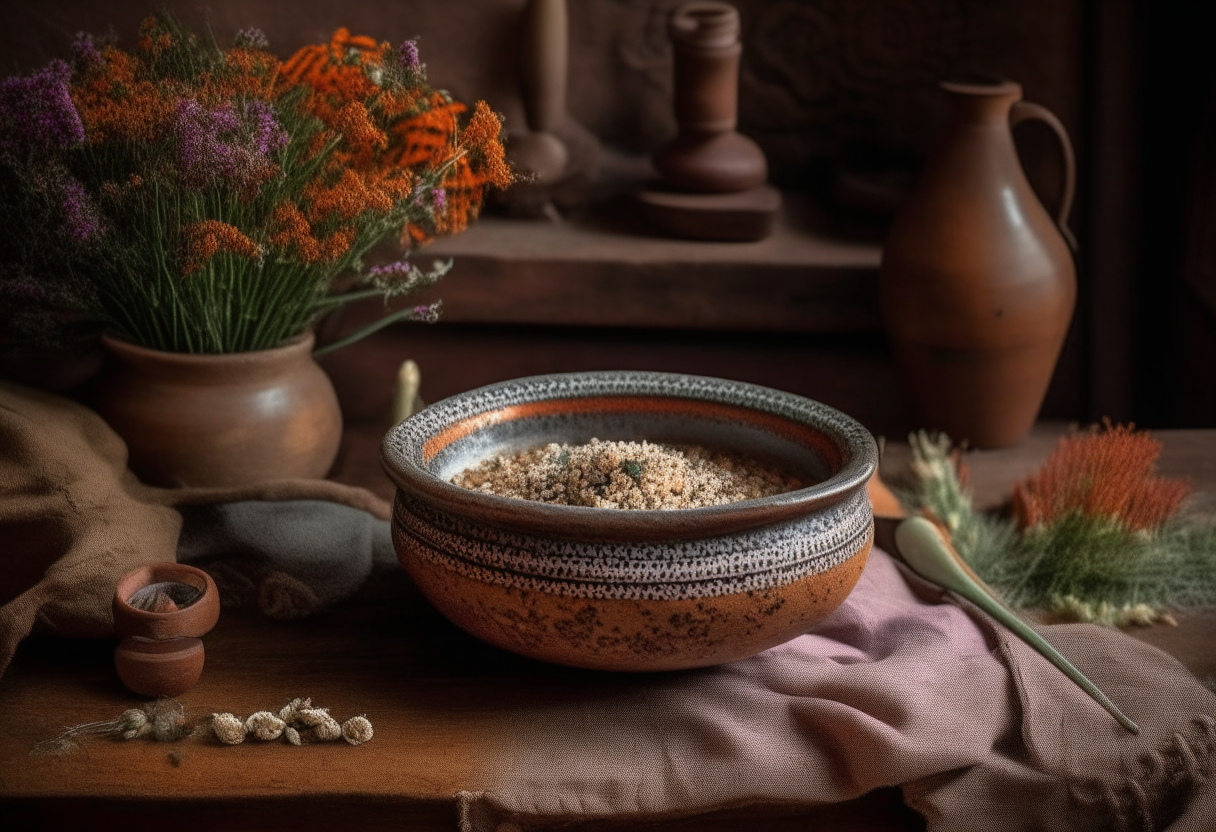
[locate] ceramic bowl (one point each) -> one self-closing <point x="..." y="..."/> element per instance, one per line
<point x="632" y="590"/>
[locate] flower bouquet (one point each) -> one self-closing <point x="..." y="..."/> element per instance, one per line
<point x="198" y="200"/>
<point x="205" y="207"/>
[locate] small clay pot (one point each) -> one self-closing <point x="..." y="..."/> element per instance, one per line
<point x="193" y="621"/>
<point x="159" y="668"/>
<point x="221" y="420"/>
<point x="162" y="653"/>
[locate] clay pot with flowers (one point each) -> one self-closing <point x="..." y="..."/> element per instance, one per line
<point x="206" y="207"/>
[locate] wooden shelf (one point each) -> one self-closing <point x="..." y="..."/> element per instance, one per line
<point x="610" y="269"/>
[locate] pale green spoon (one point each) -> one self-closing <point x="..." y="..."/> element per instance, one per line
<point x="923" y="548"/>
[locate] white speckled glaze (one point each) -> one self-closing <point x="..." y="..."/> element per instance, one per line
<point x="632" y="590"/>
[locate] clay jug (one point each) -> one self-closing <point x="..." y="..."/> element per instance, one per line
<point x="977" y="287"/>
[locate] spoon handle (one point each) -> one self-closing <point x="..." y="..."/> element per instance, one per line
<point x="922" y="547"/>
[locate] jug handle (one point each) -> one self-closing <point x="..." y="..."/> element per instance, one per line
<point x="1027" y="110"/>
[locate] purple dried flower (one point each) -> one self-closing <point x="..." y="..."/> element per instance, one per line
<point x="81" y="222"/>
<point x="428" y="313"/>
<point x="37" y="113"/>
<point x="267" y="136"/>
<point x="85" y="50"/>
<point x="402" y="268"/>
<point x="395" y="279"/>
<point x="439" y="197"/>
<point x="408" y="53"/>
<point x="17" y="285"/>
<point x="222" y="144"/>
<point x="251" y="37"/>
<point x="202" y="154"/>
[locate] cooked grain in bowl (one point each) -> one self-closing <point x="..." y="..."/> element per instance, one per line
<point x="627" y="475"/>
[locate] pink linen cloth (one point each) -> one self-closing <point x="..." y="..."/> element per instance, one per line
<point x="904" y="685"/>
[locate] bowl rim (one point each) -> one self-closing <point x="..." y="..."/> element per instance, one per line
<point x="857" y="447"/>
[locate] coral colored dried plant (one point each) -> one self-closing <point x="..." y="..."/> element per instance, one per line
<point x="196" y="199"/>
<point x="1101" y="474"/>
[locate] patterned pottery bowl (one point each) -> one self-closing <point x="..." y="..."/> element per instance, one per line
<point x="616" y="589"/>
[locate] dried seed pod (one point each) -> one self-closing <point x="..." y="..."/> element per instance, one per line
<point x="132" y="719"/>
<point x="357" y="730"/>
<point x="131" y="724"/>
<point x="265" y="726"/>
<point x="311" y="717"/>
<point x="228" y="728"/>
<point x="292" y="735"/>
<point x="168" y="726"/>
<point x="327" y="730"/>
<point x="291" y="711"/>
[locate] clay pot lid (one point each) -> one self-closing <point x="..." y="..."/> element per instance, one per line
<point x="405" y="458"/>
<point x="193" y="620"/>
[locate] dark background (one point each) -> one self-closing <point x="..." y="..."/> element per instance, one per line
<point x="825" y="85"/>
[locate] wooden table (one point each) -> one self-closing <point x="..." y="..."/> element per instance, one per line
<point x="432" y="692"/>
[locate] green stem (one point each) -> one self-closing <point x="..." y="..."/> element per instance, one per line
<point x="330" y="301"/>
<point x="376" y="326"/>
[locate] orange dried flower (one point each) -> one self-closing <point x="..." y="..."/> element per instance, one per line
<point x="362" y="137"/>
<point x="394" y="103"/>
<point x="482" y="163"/>
<point x="349" y="197"/>
<point x="1103" y="473"/>
<point x="292" y="231"/>
<point x="289" y="229"/>
<point x="337" y="244"/>
<point x="114" y="103"/>
<point x="250" y="73"/>
<point x="207" y="238"/>
<point x="334" y="82"/>
<point x="427" y="137"/>
<point x="481" y="140"/>
<point x="152" y="38"/>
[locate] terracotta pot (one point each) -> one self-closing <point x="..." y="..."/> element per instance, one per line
<point x="978" y="287"/>
<point x="708" y="155"/>
<point x="628" y="590"/>
<point x="192" y="621"/>
<point x="221" y="420"/>
<point x="159" y="668"/>
<point x="162" y="654"/>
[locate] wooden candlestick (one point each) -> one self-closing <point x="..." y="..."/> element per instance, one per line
<point x="544" y="56"/>
<point x="715" y="175"/>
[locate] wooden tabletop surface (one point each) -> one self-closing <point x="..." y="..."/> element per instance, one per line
<point x="433" y="694"/>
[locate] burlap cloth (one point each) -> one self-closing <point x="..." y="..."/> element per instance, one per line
<point x="904" y="685"/>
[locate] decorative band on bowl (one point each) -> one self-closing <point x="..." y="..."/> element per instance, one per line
<point x="753" y="560"/>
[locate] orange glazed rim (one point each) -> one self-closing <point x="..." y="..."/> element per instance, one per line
<point x="845" y="447"/>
